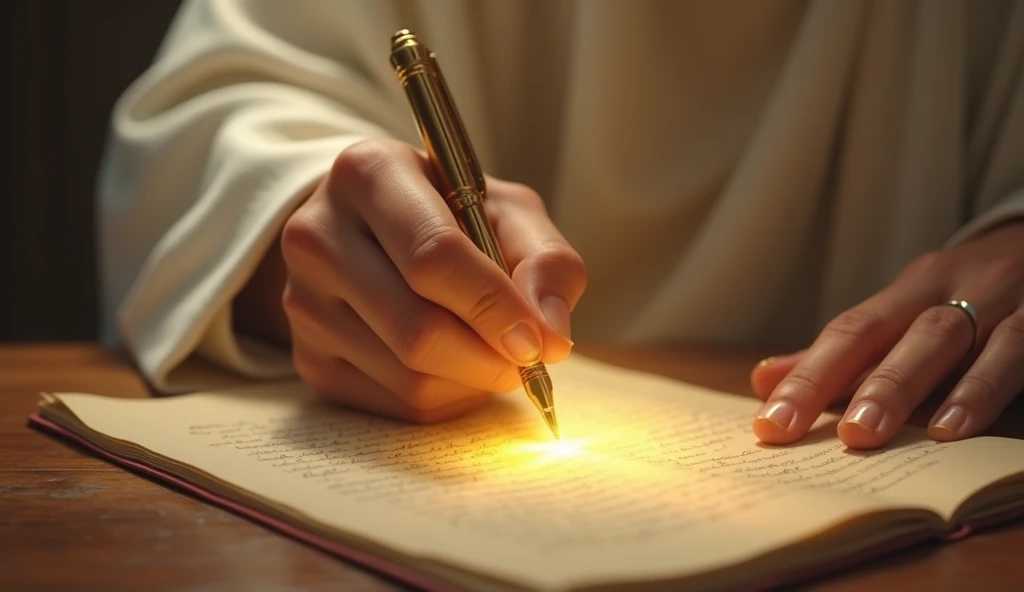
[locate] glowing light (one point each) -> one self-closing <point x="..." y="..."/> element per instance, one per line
<point x="550" y="450"/>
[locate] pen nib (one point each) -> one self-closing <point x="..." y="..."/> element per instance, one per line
<point x="538" y="387"/>
<point x="549" y="418"/>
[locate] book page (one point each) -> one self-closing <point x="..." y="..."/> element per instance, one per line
<point x="710" y="432"/>
<point x="652" y="479"/>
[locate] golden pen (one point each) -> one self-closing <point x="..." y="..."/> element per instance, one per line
<point x="459" y="174"/>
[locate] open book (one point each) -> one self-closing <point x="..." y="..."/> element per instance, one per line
<point x="655" y="483"/>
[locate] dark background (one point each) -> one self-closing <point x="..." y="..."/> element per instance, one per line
<point x="65" y="63"/>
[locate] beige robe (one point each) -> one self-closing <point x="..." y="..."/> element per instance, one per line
<point x="732" y="172"/>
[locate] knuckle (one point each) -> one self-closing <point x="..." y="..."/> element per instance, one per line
<point x="979" y="386"/>
<point x="308" y="321"/>
<point x="361" y="162"/>
<point x="561" y="259"/>
<point x="929" y="265"/>
<point x="487" y="304"/>
<point x="1006" y="271"/>
<point x="434" y="257"/>
<point x="802" y="383"/>
<point x="943" y="321"/>
<point x="856" y="323"/>
<point x="1011" y="329"/>
<point x="888" y="377"/>
<point x="294" y="306"/>
<point x="299" y="238"/>
<point x="526" y="196"/>
<point x="418" y="337"/>
<point x="558" y="263"/>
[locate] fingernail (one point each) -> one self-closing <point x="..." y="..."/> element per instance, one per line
<point x="952" y="420"/>
<point x="556" y="313"/>
<point x="522" y="344"/>
<point x="781" y="413"/>
<point x="867" y="415"/>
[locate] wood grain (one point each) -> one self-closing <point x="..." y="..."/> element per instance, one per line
<point x="70" y="521"/>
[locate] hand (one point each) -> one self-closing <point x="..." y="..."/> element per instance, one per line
<point x="394" y="311"/>
<point x="894" y="349"/>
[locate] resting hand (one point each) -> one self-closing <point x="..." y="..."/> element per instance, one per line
<point x="894" y="349"/>
<point x="394" y="311"/>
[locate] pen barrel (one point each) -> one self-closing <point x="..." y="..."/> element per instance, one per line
<point x="459" y="176"/>
<point x="439" y="124"/>
<point x="468" y="207"/>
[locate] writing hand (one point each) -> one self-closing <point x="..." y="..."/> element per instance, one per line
<point x="891" y="351"/>
<point x="393" y="310"/>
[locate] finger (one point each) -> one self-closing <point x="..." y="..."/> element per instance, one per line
<point x="327" y="251"/>
<point x="933" y="345"/>
<point x="390" y="189"/>
<point x="768" y="373"/>
<point x="995" y="379"/>
<point x="339" y="381"/>
<point x="544" y="266"/>
<point x="939" y="341"/>
<point x="332" y="327"/>
<point x="847" y="346"/>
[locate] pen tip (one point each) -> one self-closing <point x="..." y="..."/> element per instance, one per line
<point x="538" y="387"/>
<point x="549" y="418"/>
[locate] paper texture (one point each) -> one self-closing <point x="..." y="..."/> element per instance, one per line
<point x="653" y="478"/>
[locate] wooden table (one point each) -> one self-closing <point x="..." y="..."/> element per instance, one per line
<point x="70" y="521"/>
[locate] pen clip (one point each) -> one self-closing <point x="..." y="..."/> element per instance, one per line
<point x="455" y="120"/>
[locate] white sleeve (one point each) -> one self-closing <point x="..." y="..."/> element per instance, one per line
<point x="240" y="115"/>
<point x="1008" y="210"/>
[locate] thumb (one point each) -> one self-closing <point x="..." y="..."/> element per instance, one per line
<point x="549" y="272"/>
